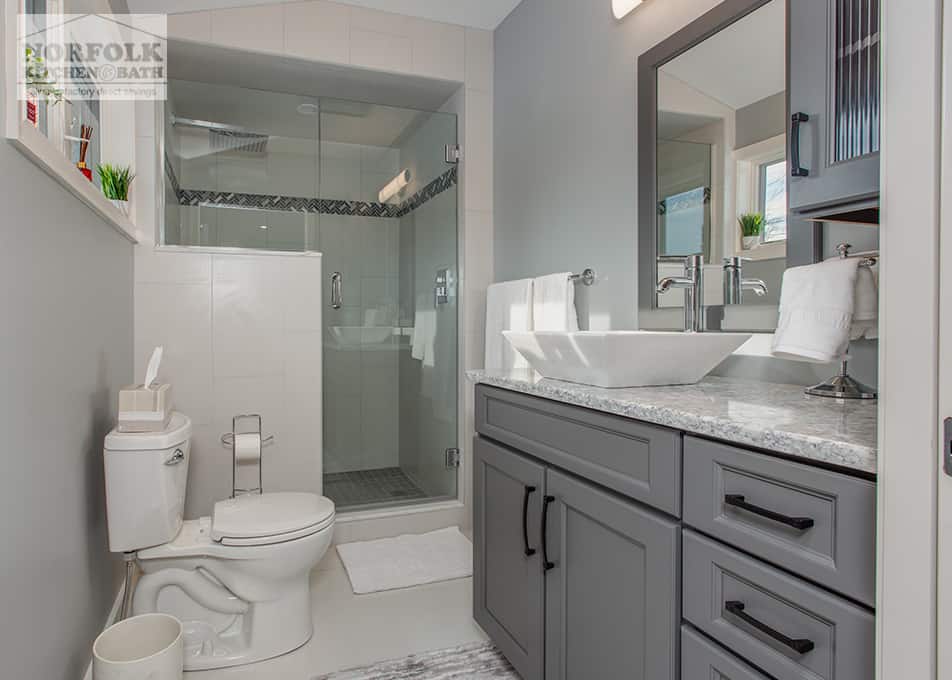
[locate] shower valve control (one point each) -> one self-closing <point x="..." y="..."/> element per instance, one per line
<point x="441" y="287"/>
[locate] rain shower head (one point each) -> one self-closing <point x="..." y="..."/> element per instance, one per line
<point x="223" y="137"/>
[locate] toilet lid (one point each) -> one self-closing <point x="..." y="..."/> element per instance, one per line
<point x="274" y="516"/>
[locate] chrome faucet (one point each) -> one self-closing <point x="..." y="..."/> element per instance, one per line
<point x="735" y="284"/>
<point x="693" y="285"/>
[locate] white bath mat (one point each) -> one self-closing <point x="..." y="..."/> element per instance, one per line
<point x="406" y="561"/>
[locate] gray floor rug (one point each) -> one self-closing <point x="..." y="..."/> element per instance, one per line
<point x="479" y="661"/>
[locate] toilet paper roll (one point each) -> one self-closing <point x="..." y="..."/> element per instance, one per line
<point x="248" y="449"/>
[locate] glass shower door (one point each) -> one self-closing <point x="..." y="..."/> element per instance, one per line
<point x="390" y="342"/>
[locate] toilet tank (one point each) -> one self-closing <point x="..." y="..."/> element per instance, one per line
<point x="146" y="476"/>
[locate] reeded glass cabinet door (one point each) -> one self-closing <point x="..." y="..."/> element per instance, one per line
<point x="856" y="79"/>
<point x="835" y="93"/>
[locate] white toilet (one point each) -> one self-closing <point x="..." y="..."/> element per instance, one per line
<point x="238" y="580"/>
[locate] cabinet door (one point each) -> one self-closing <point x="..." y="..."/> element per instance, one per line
<point x="612" y="605"/>
<point x="507" y="575"/>
<point x="833" y="57"/>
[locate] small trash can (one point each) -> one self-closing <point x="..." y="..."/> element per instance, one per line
<point x="147" y="647"/>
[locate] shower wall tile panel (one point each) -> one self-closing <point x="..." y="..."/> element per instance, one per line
<point x="242" y="333"/>
<point x="258" y="28"/>
<point x="317" y="30"/>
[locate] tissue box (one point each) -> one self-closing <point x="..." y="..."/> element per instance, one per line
<point x="145" y="409"/>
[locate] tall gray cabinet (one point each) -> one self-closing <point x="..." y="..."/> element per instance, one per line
<point x="834" y="90"/>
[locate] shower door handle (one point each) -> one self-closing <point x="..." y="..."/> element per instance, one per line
<point x="337" y="290"/>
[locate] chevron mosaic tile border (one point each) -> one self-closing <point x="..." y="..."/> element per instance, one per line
<point x="323" y="206"/>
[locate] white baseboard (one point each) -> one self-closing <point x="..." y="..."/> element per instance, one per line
<point x="111" y="619"/>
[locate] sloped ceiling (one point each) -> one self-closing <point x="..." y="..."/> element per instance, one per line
<point x="487" y="14"/>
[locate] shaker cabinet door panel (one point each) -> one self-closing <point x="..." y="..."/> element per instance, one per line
<point x="833" y="54"/>
<point x="508" y="582"/>
<point x="612" y="606"/>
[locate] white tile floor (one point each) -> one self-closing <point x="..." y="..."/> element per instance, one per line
<point x="354" y="630"/>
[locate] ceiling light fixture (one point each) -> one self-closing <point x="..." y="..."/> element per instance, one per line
<point x="621" y="8"/>
<point x="308" y="109"/>
<point x="262" y="226"/>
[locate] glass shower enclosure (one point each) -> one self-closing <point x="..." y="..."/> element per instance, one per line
<point x="373" y="189"/>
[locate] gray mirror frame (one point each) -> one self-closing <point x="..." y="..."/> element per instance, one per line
<point x="800" y="250"/>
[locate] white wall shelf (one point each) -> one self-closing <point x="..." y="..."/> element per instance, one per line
<point x="35" y="146"/>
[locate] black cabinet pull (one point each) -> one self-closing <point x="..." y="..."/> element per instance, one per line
<point x="799" y="645"/>
<point x="525" y="521"/>
<point x="801" y="523"/>
<point x="546" y="565"/>
<point x="795" y="169"/>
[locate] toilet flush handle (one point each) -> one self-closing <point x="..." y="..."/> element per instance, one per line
<point x="176" y="457"/>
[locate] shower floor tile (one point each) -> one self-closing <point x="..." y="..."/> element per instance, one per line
<point x="370" y="487"/>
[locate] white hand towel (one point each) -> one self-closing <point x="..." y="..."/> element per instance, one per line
<point x="866" y="311"/>
<point x="553" y="303"/>
<point x="424" y="330"/>
<point x="816" y="311"/>
<point x="508" y="308"/>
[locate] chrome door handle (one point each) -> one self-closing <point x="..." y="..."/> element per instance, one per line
<point x="176" y="457"/>
<point x="337" y="290"/>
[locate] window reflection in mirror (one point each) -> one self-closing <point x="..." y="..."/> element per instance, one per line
<point x="721" y="149"/>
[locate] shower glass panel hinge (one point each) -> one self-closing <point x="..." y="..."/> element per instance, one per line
<point x="452" y="458"/>
<point x="454" y="154"/>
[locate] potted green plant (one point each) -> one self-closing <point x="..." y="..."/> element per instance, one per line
<point x="751" y="229"/>
<point x="115" y="182"/>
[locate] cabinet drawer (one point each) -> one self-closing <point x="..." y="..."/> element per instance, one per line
<point x="640" y="461"/>
<point x="701" y="659"/>
<point x="779" y="623"/>
<point x="816" y="523"/>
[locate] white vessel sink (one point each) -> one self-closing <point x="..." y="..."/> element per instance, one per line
<point x="625" y="358"/>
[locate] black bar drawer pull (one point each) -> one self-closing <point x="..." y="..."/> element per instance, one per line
<point x="738" y="501"/>
<point x="799" y="645"/>
<point x="795" y="169"/>
<point x="525" y="521"/>
<point x="546" y="564"/>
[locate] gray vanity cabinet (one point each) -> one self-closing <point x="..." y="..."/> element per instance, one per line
<point x="612" y="606"/>
<point x="573" y="577"/>
<point x="833" y="60"/>
<point x="508" y="577"/>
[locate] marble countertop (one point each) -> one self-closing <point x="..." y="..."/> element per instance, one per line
<point x="765" y="415"/>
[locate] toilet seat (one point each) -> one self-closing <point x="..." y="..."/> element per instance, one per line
<point x="264" y="519"/>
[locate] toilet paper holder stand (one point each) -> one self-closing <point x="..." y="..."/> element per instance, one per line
<point x="229" y="440"/>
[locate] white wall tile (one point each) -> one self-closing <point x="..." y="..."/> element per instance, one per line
<point x="195" y="26"/>
<point x="317" y="30"/>
<point x="177" y="317"/>
<point x="209" y="472"/>
<point x="301" y="300"/>
<point x="478" y="151"/>
<point x="479" y="59"/>
<point x="377" y="21"/>
<point x="438" y="50"/>
<point x="259" y="28"/>
<point x="381" y="51"/>
<point x="248" y="316"/>
<point x="143" y="188"/>
<point x="156" y="266"/>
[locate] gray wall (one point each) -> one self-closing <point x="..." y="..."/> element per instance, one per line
<point x="65" y="348"/>
<point x="565" y="149"/>
<point x="566" y="158"/>
<point x="761" y="120"/>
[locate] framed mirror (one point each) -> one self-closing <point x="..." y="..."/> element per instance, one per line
<point x="712" y="123"/>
